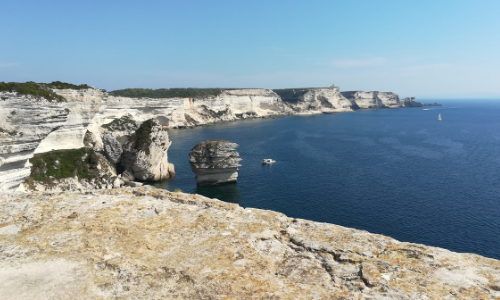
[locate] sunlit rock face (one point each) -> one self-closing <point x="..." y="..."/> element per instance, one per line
<point x="215" y="162"/>
<point x="145" y="156"/>
<point x="360" y="99"/>
<point x="145" y="243"/>
<point x="82" y="106"/>
<point x="230" y="105"/>
<point x="317" y="101"/>
<point x="25" y="121"/>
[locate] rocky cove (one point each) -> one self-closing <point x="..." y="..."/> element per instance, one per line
<point x="83" y="115"/>
<point x="146" y="243"/>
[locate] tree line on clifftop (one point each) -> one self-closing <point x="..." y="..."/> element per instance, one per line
<point x="40" y="89"/>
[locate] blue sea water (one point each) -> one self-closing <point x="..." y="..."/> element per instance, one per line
<point x="396" y="172"/>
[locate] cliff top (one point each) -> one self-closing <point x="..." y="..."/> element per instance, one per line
<point x="147" y="243"/>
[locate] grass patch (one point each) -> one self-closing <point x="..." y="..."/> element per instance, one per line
<point x="63" y="164"/>
<point x="168" y="93"/>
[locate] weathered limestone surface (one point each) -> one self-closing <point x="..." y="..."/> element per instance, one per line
<point x="145" y="243"/>
<point x="112" y="148"/>
<point x="215" y="162"/>
<point x="150" y="163"/>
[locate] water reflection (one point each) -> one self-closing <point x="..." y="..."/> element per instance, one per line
<point x="228" y="192"/>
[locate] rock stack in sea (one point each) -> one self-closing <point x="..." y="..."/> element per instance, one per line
<point x="145" y="153"/>
<point x="215" y="162"/>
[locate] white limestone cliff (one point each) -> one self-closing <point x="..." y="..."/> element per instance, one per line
<point x="82" y="105"/>
<point x="319" y="100"/>
<point x="373" y="99"/>
<point x="25" y="121"/>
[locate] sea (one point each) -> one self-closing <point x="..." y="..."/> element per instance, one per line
<point x="397" y="172"/>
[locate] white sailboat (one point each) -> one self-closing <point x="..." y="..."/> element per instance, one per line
<point x="439" y="117"/>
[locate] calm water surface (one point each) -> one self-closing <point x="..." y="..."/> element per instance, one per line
<point x="397" y="172"/>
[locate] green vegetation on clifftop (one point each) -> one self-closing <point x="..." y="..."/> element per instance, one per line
<point x="142" y="136"/>
<point x="63" y="164"/>
<point x="64" y="85"/>
<point x="31" y="88"/>
<point x="168" y="93"/>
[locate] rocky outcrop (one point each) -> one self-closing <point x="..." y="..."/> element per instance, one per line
<point x="145" y="153"/>
<point x="411" y="102"/>
<point x="145" y="243"/>
<point x="373" y="99"/>
<point x="112" y="148"/>
<point x="315" y="100"/>
<point x="215" y="162"/>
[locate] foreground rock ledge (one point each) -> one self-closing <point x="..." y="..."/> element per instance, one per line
<point x="146" y="243"/>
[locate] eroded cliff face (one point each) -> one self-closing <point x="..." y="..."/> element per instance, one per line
<point x="82" y="106"/>
<point x="153" y="244"/>
<point x="317" y="101"/>
<point x="230" y="105"/>
<point x="373" y="99"/>
<point x="25" y="121"/>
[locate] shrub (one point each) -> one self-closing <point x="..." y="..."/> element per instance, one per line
<point x="123" y="123"/>
<point x="142" y="137"/>
<point x="64" y="163"/>
<point x="31" y="88"/>
<point x="64" y="85"/>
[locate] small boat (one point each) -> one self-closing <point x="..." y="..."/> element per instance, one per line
<point x="439" y="117"/>
<point x="426" y="109"/>
<point x="268" y="161"/>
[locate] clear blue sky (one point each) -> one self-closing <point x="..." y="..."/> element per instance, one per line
<point x="414" y="48"/>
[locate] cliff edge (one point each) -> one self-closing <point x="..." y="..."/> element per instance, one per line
<point x="146" y="243"/>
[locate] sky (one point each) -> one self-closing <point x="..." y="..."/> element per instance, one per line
<point x="426" y="49"/>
